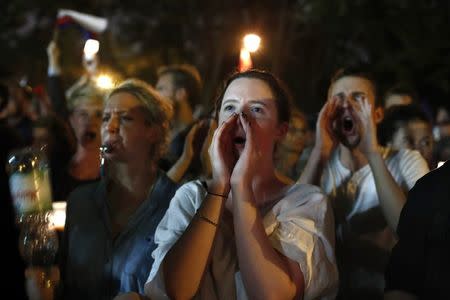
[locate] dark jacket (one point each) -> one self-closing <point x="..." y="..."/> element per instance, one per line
<point x="420" y="262"/>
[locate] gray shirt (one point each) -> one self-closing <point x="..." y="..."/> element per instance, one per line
<point x="94" y="264"/>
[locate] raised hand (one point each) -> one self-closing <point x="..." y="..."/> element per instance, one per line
<point x="325" y="139"/>
<point x="221" y="155"/>
<point x="188" y="149"/>
<point x="245" y="167"/>
<point x="53" y="54"/>
<point x="369" y="142"/>
<point x="204" y="155"/>
<point x="178" y="170"/>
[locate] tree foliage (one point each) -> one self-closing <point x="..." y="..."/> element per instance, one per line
<point x="304" y="41"/>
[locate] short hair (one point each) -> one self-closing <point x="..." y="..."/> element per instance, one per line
<point x="185" y="76"/>
<point x="87" y="93"/>
<point x="402" y="89"/>
<point x="396" y="117"/>
<point x="283" y="99"/>
<point x="158" y="109"/>
<point x="360" y="72"/>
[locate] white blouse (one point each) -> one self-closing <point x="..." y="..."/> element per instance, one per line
<point x="300" y="226"/>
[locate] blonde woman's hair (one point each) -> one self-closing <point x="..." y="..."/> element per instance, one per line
<point x="158" y="110"/>
<point x="86" y="93"/>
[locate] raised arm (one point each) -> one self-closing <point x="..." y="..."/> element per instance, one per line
<point x="56" y="91"/>
<point x="266" y="273"/>
<point x="392" y="198"/>
<point x="325" y="143"/>
<point x="185" y="263"/>
<point x="179" y="169"/>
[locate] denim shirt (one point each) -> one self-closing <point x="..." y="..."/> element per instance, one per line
<point x="94" y="264"/>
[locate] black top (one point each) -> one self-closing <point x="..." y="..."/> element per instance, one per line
<point x="95" y="263"/>
<point x="420" y="262"/>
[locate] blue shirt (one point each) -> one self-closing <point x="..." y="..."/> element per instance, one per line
<point x="94" y="264"/>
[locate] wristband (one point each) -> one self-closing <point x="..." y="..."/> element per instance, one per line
<point x="218" y="195"/>
<point x="202" y="217"/>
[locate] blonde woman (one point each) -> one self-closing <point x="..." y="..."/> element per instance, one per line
<point x="110" y="224"/>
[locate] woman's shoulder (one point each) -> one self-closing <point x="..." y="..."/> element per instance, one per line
<point x="300" y="194"/>
<point x="304" y="190"/>
<point x="193" y="187"/>
<point x="190" y="192"/>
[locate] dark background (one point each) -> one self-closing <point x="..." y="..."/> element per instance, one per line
<point x="303" y="41"/>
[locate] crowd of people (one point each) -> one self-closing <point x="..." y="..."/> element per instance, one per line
<point x="241" y="198"/>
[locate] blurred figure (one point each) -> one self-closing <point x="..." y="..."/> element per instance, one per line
<point x="183" y="85"/>
<point x="400" y="95"/>
<point x="4" y="100"/>
<point x="408" y="127"/>
<point x="441" y="132"/>
<point x="442" y="149"/>
<point x="442" y="122"/>
<point x="57" y="139"/>
<point x="193" y="159"/>
<point x="419" y="267"/>
<point x="366" y="183"/>
<point x="83" y="109"/>
<point x="21" y="112"/>
<point x="288" y="151"/>
<point x="442" y="114"/>
<point x="310" y="140"/>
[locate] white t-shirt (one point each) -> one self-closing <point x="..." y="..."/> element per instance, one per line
<point x="300" y="225"/>
<point x="363" y="239"/>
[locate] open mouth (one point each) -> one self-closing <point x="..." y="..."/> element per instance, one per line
<point x="347" y="124"/>
<point x="239" y="140"/>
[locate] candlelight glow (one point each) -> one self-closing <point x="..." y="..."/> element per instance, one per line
<point x="91" y="48"/>
<point x="245" y="60"/>
<point x="252" y="42"/>
<point x="104" y="81"/>
<point x="58" y="215"/>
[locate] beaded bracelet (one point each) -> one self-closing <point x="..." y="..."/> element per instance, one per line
<point x="202" y="217"/>
<point x="218" y="195"/>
